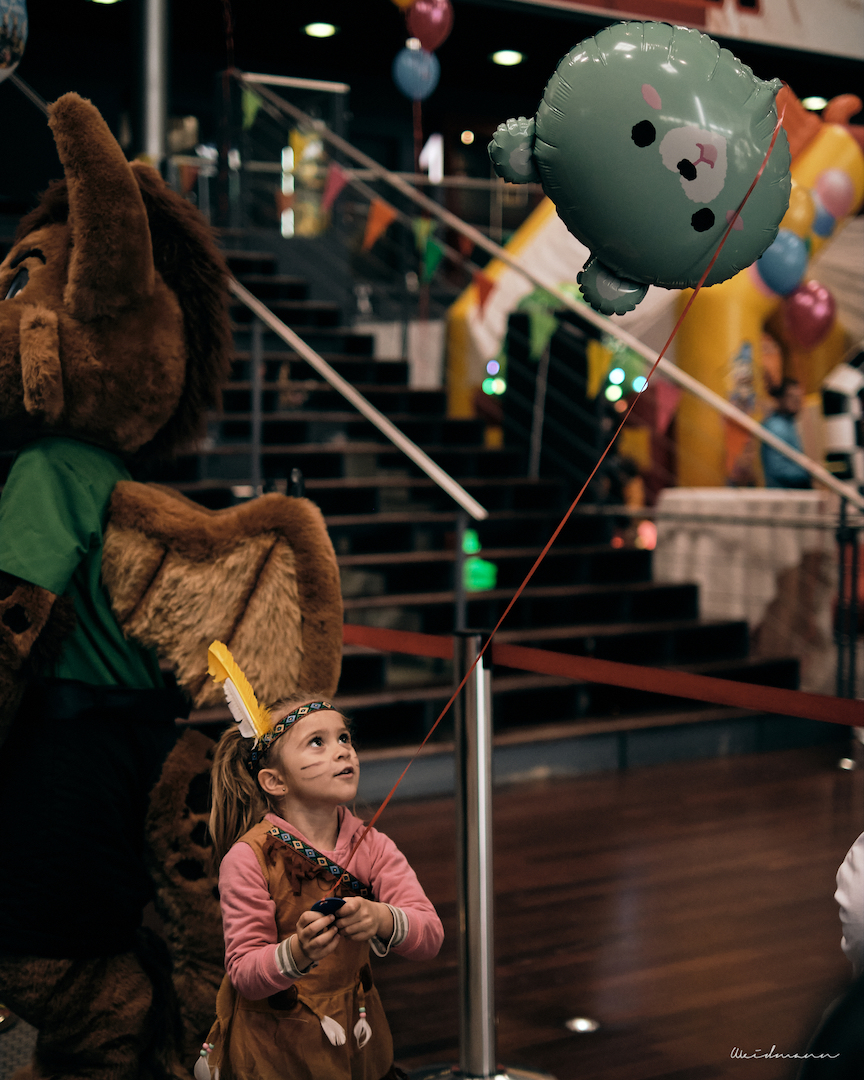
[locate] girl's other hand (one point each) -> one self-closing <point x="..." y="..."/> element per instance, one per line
<point x="361" y="920"/>
<point x="317" y="937"/>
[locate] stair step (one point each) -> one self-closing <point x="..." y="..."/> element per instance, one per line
<point x="250" y="262"/>
<point x="321" y="339"/>
<point x="308" y="314"/>
<point x="269" y="287"/>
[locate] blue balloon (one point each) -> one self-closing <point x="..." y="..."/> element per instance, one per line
<point x="416" y="73"/>
<point x="823" y="223"/>
<point x="782" y="266"/>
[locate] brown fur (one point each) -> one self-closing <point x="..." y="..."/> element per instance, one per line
<point x="179" y="856"/>
<point x="139" y="292"/>
<point x="262" y="577"/>
<point x="41" y="373"/>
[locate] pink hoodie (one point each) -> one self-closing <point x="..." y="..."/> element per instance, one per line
<point x="248" y="912"/>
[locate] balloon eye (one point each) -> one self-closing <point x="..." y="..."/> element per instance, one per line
<point x="644" y="133"/>
<point x="702" y="220"/>
<point x="18" y="283"/>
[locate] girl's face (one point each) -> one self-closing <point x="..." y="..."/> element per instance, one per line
<point x="317" y="760"/>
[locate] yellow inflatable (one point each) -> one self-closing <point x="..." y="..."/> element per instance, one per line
<point x="729" y="340"/>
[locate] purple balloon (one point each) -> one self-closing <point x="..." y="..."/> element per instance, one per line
<point x="808" y="314"/>
<point x="430" y="21"/>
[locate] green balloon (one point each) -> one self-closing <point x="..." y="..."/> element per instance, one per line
<point x="647" y="139"/>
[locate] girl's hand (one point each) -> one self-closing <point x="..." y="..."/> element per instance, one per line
<point x="316" y="937"/>
<point x="361" y="920"/>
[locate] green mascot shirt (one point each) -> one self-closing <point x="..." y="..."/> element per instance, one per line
<point x="52" y="516"/>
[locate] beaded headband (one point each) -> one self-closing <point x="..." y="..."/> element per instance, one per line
<point x="263" y="743"/>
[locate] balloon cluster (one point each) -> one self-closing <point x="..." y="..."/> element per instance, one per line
<point x="808" y="308"/>
<point x="416" y="69"/>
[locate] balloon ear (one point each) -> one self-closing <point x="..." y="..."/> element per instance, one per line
<point x="512" y="152"/>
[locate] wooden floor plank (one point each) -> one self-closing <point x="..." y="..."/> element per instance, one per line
<point x="688" y="907"/>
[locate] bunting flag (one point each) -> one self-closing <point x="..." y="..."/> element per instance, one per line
<point x="422" y="228"/>
<point x="250" y="103"/>
<point x="599" y="360"/>
<point x="432" y="256"/>
<point x="381" y="214"/>
<point x="336" y="180"/>
<point x="484" y="286"/>
<point x="465" y="245"/>
<point x="666" y="398"/>
<point x="283" y="201"/>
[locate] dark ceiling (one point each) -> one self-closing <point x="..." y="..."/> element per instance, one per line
<point x="95" y="49"/>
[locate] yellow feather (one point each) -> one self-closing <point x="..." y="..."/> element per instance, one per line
<point x="254" y="719"/>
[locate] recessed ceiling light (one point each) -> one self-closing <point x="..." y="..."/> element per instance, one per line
<point x="319" y="29"/>
<point x="507" y="57"/>
<point x="467" y="137"/>
<point x="105" y="1"/>
<point x="814" y="103"/>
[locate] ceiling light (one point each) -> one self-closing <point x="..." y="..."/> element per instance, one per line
<point x="815" y="104"/>
<point x="507" y="57"/>
<point x="319" y="29"/>
<point x="467" y="137"/>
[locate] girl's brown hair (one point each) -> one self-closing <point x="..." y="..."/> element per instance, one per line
<point x="238" y="803"/>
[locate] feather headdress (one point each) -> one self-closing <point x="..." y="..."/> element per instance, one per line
<point x="253" y="719"/>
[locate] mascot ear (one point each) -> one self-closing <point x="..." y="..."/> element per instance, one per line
<point x="111" y="261"/>
<point x="512" y="151"/>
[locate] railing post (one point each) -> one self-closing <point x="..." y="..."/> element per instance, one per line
<point x="256" y="359"/>
<point x="473" y="730"/>
<point x="539" y="413"/>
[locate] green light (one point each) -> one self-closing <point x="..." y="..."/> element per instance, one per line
<point x="613" y="393"/>
<point x="470" y="542"/>
<point x="480" y="575"/>
<point x="486" y="386"/>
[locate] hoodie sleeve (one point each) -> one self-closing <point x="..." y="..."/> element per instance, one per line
<point x="394" y="882"/>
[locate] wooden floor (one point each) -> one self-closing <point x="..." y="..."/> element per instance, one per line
<point x="688" y="908"/>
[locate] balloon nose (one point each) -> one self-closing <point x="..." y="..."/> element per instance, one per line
<point x="708" y="153"/>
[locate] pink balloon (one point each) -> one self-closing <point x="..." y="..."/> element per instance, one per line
<point x="808" y="314"/>
<point x="431" y="21"/>
<point x="835" y="190"/>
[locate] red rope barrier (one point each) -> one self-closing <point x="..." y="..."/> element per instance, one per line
<point x="575" y="502"/>
<point x="771" y="699"/>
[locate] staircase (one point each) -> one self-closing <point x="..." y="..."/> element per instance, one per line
<point x="394" y="532"/>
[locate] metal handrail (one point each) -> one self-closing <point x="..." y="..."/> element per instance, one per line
<point x="387" y="428"/>
<point x="666" y="367"/>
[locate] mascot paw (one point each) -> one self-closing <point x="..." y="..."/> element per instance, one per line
<point x="607" y="293"/>
<point x="512" y="152"/>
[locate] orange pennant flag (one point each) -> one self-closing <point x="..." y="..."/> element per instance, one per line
<point x="380" y="216"/>
<point x="484" y="286"/>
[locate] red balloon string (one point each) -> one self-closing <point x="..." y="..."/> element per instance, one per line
<point x="575" y="502"/>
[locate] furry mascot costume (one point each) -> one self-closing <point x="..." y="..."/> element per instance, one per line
<point x="114" y="339"/>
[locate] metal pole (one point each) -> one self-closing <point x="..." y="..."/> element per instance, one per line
<point x="473" y="725"/>
<point x="257" y="362"/>
<point x="840" y="634"/>
<point x="155" y="79"/>
<point x="459" y="573"/>
<point x="539" y="414"/>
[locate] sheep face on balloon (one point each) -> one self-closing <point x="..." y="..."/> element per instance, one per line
<point x="647" y="139"/>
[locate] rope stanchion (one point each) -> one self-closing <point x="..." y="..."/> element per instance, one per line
<point x="683" y="684"/>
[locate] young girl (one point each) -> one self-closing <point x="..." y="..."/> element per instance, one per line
<point x="298" y="1001"/>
